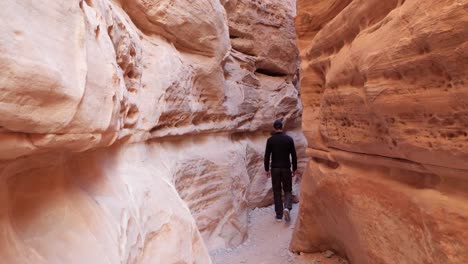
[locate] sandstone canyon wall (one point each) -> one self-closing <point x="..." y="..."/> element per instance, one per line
<point x="384" y="89"/>
<point x="133" y="131"/>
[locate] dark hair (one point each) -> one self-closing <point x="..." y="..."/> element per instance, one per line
<point x="278" y="124"/>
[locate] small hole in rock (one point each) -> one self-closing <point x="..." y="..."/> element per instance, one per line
<point x="132" y="52"/>
<point x="110" y="31"/>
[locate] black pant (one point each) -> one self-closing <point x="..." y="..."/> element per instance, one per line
<point x="280" y="176"/>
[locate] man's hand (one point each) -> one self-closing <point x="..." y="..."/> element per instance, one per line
<point x="268" y="174"/>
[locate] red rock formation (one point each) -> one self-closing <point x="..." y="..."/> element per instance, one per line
<point x="385" y="115"/>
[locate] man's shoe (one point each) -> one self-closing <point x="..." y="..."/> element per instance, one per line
<point x="286" y="215"/>
<point x="278" y="219"/>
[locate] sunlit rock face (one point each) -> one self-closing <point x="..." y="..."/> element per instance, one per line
<point x="134" y="131"/>
<point x="384" y="89"/>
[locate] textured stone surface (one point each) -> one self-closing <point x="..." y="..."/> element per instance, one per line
<point x="125" y="125"/>
<point x="383" y="85"/>
<point x="264" y="29"/>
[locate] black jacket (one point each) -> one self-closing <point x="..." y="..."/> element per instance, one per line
<point x="280" y="146"/>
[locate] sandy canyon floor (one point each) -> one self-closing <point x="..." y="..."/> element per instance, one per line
<point x="268" y="243"/>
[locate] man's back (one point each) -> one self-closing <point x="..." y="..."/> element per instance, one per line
<point x="280" y="146"/>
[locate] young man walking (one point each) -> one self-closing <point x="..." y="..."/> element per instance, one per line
<point x="280" y="147"/>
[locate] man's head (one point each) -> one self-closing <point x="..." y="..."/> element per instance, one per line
<point x="278" y="125"/>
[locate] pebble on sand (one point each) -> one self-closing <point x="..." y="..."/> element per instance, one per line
<point x="328" y="254"/>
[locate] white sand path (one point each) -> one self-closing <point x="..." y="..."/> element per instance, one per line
<point x="268" y="243"/>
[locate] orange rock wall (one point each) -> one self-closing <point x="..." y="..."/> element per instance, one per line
<point x="384" y="86"/>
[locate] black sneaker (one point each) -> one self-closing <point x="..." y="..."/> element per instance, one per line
<point x="286" y="215"/>
<point x="279" y="219"/>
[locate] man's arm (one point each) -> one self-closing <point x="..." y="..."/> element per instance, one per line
<point x="267" y="156"/>
<point x="293" y="155"/>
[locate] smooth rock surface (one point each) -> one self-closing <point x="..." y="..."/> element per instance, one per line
<point x="102" y="206"/>
<point x="384" y="89"/>
<point x="133" y="131"/>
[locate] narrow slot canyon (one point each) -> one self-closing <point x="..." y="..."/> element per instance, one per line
<point x="134" y="131"/>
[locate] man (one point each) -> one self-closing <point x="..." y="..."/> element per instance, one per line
<point x="280" y="146"/>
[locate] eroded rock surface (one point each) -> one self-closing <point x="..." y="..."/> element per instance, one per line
<point x="385" y="115"/>
<point x="128" y="126"/>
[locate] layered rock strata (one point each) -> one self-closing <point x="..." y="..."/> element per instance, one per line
<point x="127" y="127"/>
<point x="384" y="88"/>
